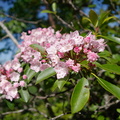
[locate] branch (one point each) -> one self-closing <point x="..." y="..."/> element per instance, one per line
<point x="106" y="106"/>
<point x="53" y="95"/>
<point x="6" y="36"/>
<point x="65" y="23"/>
<point x="73" y="6"/>
<point x="50" y="17"/>
<point x="21" y="20"/>
<point x="54" y="118"/>
<point x="9" y="33"/>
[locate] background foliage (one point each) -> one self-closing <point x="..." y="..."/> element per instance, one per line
<point x="65" y="15"/>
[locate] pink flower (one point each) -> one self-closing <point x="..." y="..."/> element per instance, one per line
<point x="77" y="49"/>
<point x="20" y="69"/>
<point x="92" y="56"/>
<point x="7" y="65"/>
<point x="16" y="84"/>
<point x="15" y="64"/>
<point x="22" y="83"/>
<point x="24" y="76"/>
<point x="70" y="62"/>
<point x="35" y="65"/>
<point x="61" y="69"/>
<point x="76" y="68"/>
<point x="60" y="55"/>
<point x="14" y="76"/>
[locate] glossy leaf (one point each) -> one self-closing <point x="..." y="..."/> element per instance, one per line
<point x="30" y="74"/>
<point x="80" y="95"/>
<point x="85" y="18"/>
<point x="25" y="95"/>
<point x="47" y="11"/>
<point x="105" y="53"/>
<point x="60" y="83"/>
<point x="109" y="86"/>
<point x="93" y="17"/>
<point x="103" y="16"/>
<point x="45" y="74"/>
<point x="114" y="68"/>
<point x="38" y="48"/>
<point x="111" y="38"/>
<point x="107" y="19"/>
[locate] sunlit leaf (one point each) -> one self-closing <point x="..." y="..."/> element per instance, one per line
<point x="38" y="48"/>
<point x="114" y="68"/>
<point x="80" y="95"/>
<point x="109" y="86"/>
<point x="54" y="7"/>
<point x="45" y="74"/>
<point x="103" y="16"/>
<point x="25" y="95"/>
<point x="107" y="19"/>
<point x="47" y="11"/>
<point x="93" y="17"/>
<point x="30" y="74"/>
<point x="105" y="53"/>
<point x="111" y="38"/>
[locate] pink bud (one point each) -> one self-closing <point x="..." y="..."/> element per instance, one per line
<point x="43" y="61"/>
<point x="24" y="76"/>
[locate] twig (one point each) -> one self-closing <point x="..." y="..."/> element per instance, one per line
<point x="73" y="6"/>
<point x="21" y="20"/>
<point x="65" y="23"/>
<point x="4" y="37"/>
<point x="9" y="33"/>
<point x="18" y="111"/>
<point x="54" y="118"/>
<point x="52" y="95"/>
<point x="106" y="106"/>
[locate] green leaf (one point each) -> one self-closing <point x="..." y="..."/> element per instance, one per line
<point x="45" y="74"/>
<point x="109" y="86"/>
<point x="47" y="11"/>
<point x="114" y="68"/>
<point x="93" y="17"/>
<point x="111" y="38"/>
<point x="118" y="110"/>
<point x="80" y="95"/>
<point x="38" y="48"/>
<point x="85" y="18"/>
<point x="59" y="84"/>
<point x="30" y="74"/>
<point x="10" y="104"/>
<point x="105" y="53"/>
<point x="103" y="16"/>
<point x="54" y="6"/>
<point x="32" y="89"/>
<point x="25" y="95"/>
<point x="84" y="64"/>
<point x="107" y="19"/>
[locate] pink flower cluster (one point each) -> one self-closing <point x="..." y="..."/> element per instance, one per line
<point x="10" y="79"/>
<point x="63" y="52"/>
